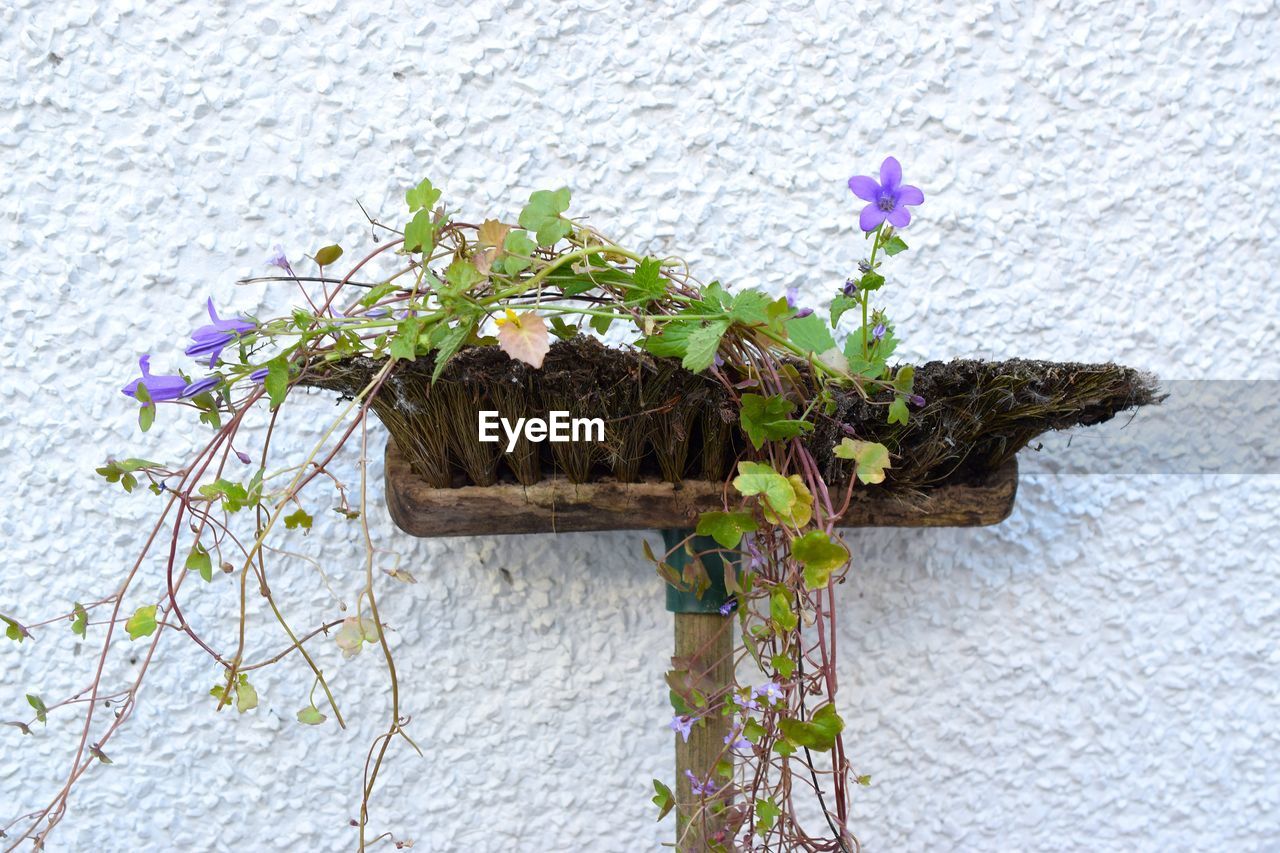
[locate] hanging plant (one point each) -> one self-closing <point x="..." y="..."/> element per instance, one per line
<point x="793" y="409"/>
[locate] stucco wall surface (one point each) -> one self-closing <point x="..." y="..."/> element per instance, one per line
<point x="1099" y="673"/>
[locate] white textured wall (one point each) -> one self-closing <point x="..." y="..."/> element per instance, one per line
<point x="1098" y="673"/>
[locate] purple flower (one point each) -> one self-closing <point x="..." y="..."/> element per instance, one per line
<point x="746" y="702"/>
<point x="728" y="607"/>
<point x="210" y="339"/>
<point x="279" y="259"/>
<point x="850" y="287"/>
<point x="258" y="375"/>
<point x="792" y="297"/>
<point x="243" y="457"/>
<point x="159" y="387"/>
<point x="878" y="332"/>
<point x="201" y="385"/>
<point x="917" y="400"/>
<point x="700" y="788"/>
<point x="770" y="691"/>
<point x="681" y="725"/>
<point x="888" y="197"/>
<point x="735" y="740"/>
<point x="755" y="560"/>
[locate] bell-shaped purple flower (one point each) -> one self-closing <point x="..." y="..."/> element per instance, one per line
<point x="201" y="385"/>
<point x="888" y="197"/>
<point x="210" y="339"/>
<point x="158" y="387"/>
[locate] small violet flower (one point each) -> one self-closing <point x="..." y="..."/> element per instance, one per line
<point x="201" y="385"/>
<point x="888" y="197"/>
<point x="917" y="400"/>
<point x="279" y="259"/>
<point x="700" y="788"/>
<point x="158" y="387"/>
<point x="792" y="302"/>
<point x="728" y="607"/>
<point x="735" y="740"/>
<point x="210" y="339"/>
<point x="878" y="331"/>
<point x="681" y="725"/>
<point x="850" y="288"/>
<point x="755" y="560"/>
<point x="770" y="691"/>
<point x="258" y="375"/>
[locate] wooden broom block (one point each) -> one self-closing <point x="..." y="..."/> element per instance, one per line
<point x="558" y="506"/>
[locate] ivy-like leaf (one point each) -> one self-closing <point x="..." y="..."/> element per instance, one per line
<point x="898" y="412"/>
<point x="519" y="252"/>
<point x="524" y="337"/>
<point x="311" y="716"/>
<point x="542" y="215"/>
<point x="872" y="458"/>
<point x="200" y="562"/>
<point x="420" y="233"/>
<point x="819" y="556"/>
<point x="246" y="695"/>
<point x="142" y="623"/>
<point x="780" y="610"/>
<point x="801" y="512"/>
<point x="757" y="478"/>
<point x="663" y="799"/>
<point x="766" y="419"/>
<point x="42" y="713"/>
<point x="423" y="196"/>
<point x="819" y="732"/>
<point x="726" y="527"/>
<point x="298" y="518"/>
<point x="767" y="812"/>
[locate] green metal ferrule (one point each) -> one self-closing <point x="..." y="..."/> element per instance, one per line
<point x="713" y="561"/>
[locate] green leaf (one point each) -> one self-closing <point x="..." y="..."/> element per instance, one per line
<point x="726" y="527"/>
<point x="810" y="334"/>
<point x="311" y="716"/>
<point x="601" y="324"/>
<point x="199" y="561"/>
<point x="700" y="351"/>
<point x="42" y="713"/>
<point x="767" y="812"/>
<point x="780" y="610"/>
<point x="894" y="246"/>
<point x="277" y="380"/>
<point x="905" y="379"/>
<point x="871" y="281"/>
<point x="648" y="283"/>
<point x="898" y="412"/>
<point x="450" y="342"/>
<point x="327" y="255"/>
<point x="404" y="344"/>
<point x="561" y="329"/>
<point x="757" y="478"/>
<point x="423" y="196"/>
<point x="142" y="623"/>
<point x="671" y="342"/>
<point x="872" y="458"/>
<point x="146" y="415"/>
<point x="377" y="292"/>
<point x="246" y="695"/>
<point x="80" y="620"/>
<point x="420" y="233"/>
<point x="783" y="665"/>
<point x="819" y="556"/>
<point x="298" y="518"/>
<point x="542" y="215"/>
<point x="663" y="799"/>
<point x="750" y="307"/>
<point x="13" y="630"/>
<point x="839" y="306"/>
<point x="461" y="276"/>
<point x="818" y="733"/>
<point x="765" y="419"/>
<point x="519" y="252"/>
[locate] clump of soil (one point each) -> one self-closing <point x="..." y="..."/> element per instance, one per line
<point x="663" y="422"/>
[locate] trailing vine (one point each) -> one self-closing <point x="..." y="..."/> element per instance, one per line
<point x="440" y="285"/>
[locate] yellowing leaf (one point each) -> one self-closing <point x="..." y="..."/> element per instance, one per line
<point x="524" y="337"/>
<point x="819" y="556"/>
<point x="492" y="233"/>
<point x="872" y="458"/>
<point x="801" y="512"/>
<point x="142" y="623"/>
<point x="757" y="478"/>
<point x="328" y="255"/>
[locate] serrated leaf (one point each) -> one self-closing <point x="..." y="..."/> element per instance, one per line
<point x="671" y="342"/>
<point x="819" y="732"/>
<point x="200" y="562"/>
<point x="766" y="419"/>
<point x="492" y="233"/>
<point x="757" y="478"/>
<point x="524" y="337"/>
<point x="327" y="255"/>
<point x="750" y="307"/>
<point x="726" y="527"/>
<point x="872" y="458"/>
<point x="311" y="716"/>
<point x="871" y="281"/>
<point x="819" y="556"/>
<point x="450" y="342"/>
<point x="839" y="305"/>
<point x="404" y="344"/>
<point x="420" y="233"/>
<point x="894" y="246"/>
<point x="461" y="276"/>
<point x="810" y="334"/>
<point x="700" y="349"/>
<point x="648" y="284"/>
<point x="142" y="623"/>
